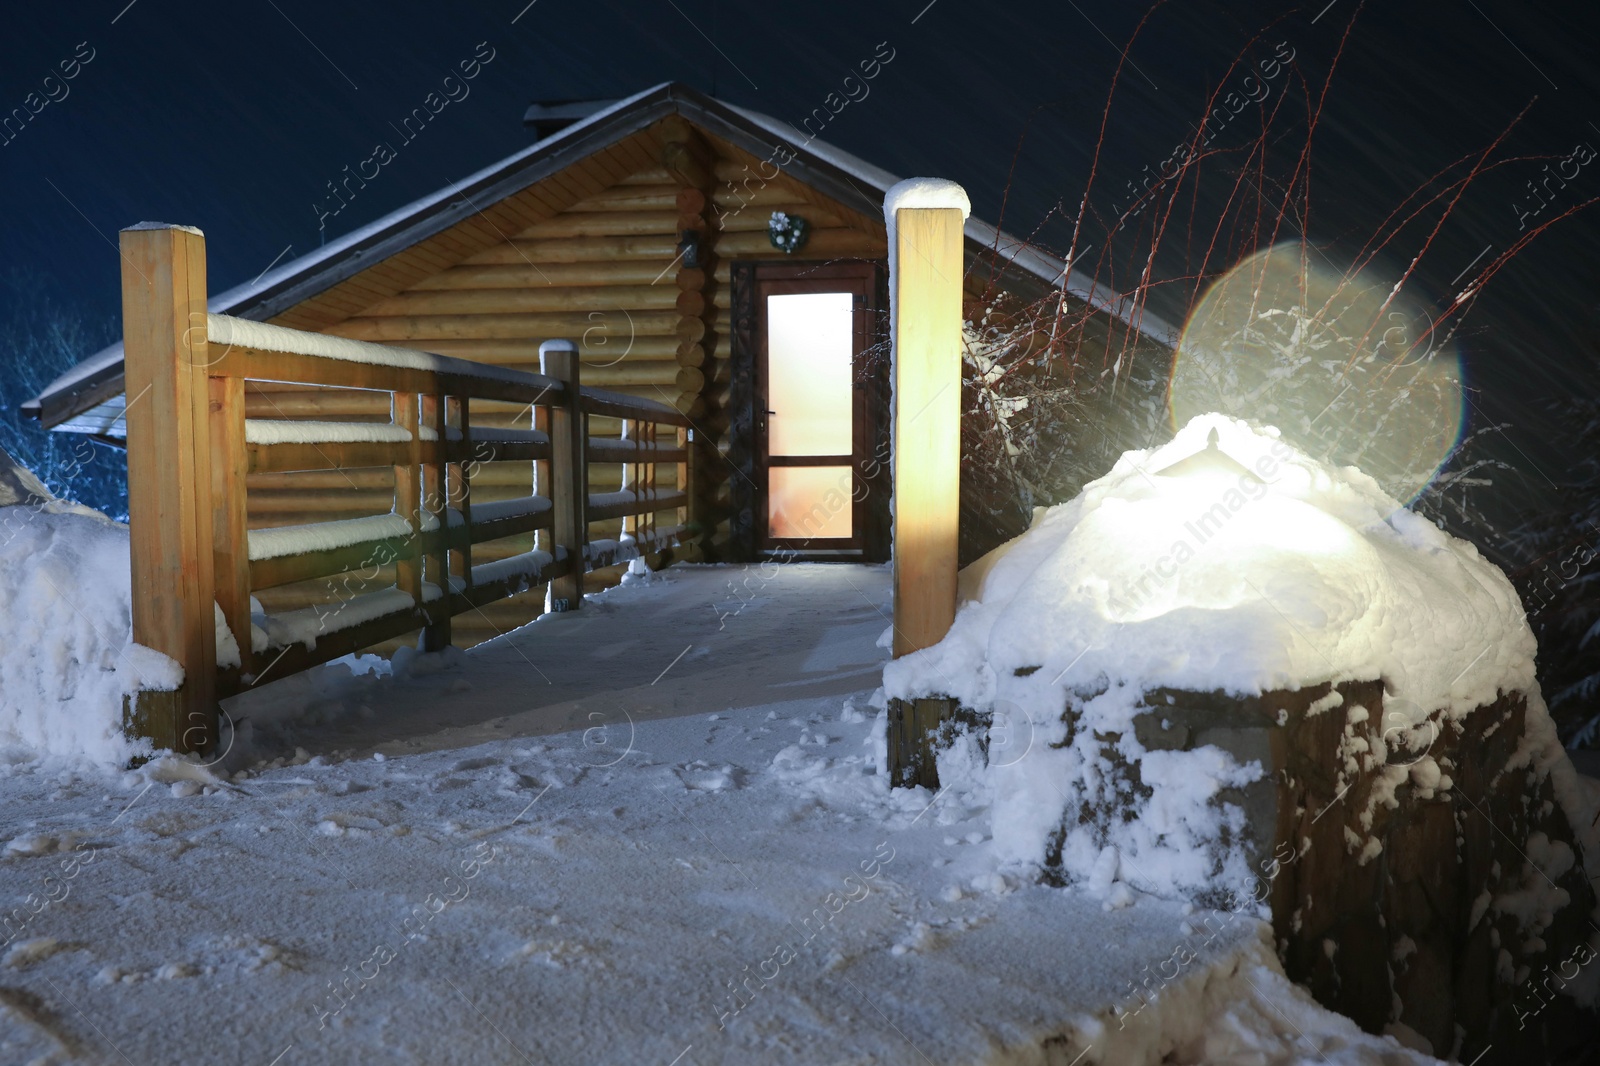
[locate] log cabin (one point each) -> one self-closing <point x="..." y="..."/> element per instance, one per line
<point x="703" y="255"/>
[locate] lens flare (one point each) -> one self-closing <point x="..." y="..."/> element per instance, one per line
<point x="1351" y="372"/>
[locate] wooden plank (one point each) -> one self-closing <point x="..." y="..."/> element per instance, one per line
<point x="927" y="425"/>
<point x="343" y="373"/>
<point x="479" y="452"/>
<point x="169" y="470"/>
<point x="518" y="275"/>
<point x="229" y="511"/>
<point x="323" y="504"/>
<point x="436" y="502"/>
<point x="483" y="529"/>
<point x="684" y="484"/>
<point x="642" y="505"/>
<point x="629" y="198"/>
<point x="534" y="324"/>
<point x="374" y="478"/>
<point x="325" y="404"/>
<point x="821" y="244"/>
<point x="605" y="224"/>
<point x="366" y="557"/>
<point x="541" y="473"/>
<point x="580" y="249"/>
<point x="536" y="299"/>
<point x="408" y="492"/>
<point x="618" y="405"/>
<point x="653" y="174"/>
<point x="611" y="450"/>
<point x="755" y="220"/>
<point x="262" y="365"/>
<point x="490" y="592"/>
<point x="339" y="642"/>
<point x="523" y="353"/>
<point x="324" y="455"/>
<point x="569" y="483"/>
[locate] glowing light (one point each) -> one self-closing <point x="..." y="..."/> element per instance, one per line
<point x="1348" y="370"/>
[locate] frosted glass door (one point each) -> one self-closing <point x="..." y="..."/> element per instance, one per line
<point x="810" y="414"/>
<point x="809" y="365"/>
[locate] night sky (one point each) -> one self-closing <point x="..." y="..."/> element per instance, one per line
<point x="234" y="117"/>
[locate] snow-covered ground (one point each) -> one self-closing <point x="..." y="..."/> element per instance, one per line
<point x="653" y="831"/>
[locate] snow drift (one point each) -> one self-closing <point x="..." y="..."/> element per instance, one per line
<point x="67" y="654"/>
<point x="1223" y="561"/>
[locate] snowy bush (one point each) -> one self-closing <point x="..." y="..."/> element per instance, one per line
<point x="40" y="340"/>
<point x="1560" y="577"/>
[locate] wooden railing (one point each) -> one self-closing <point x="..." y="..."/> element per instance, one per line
<point x="195" y="563"/>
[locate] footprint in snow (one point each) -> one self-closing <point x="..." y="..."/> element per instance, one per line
<point x="27" y="952"/>
<point x="27" y="1009"/>
<point x="704" y="777"/>
<point x="474" y="764"/>
<point x="32" y="844"/>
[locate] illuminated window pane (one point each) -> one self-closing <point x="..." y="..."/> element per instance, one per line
<point x="809" y="501"/>
<point x="809" y="352"/>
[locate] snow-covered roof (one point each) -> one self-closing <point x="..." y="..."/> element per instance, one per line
<point x="88" y="398"/>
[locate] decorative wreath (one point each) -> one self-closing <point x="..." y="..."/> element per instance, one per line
<point x="787" y="232"/>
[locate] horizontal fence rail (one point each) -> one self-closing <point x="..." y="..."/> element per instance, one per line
<point x="191" y="449"/>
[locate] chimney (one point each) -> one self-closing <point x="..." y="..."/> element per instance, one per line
<point x="545" y="117"/>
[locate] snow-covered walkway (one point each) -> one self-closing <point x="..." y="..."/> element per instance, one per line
<point x="683" y="641"/>
<point x="650" y="832"/>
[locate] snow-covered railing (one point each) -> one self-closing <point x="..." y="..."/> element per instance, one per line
<point x="191" y="449"/>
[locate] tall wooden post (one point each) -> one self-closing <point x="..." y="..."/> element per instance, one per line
<point x="569" y="472"/>
<point x="927" y="423"/>
<point x="169" y="478"/>
<point x="926" y="454"/>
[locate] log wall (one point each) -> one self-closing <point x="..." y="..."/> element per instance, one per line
<point x="592" y="254"/>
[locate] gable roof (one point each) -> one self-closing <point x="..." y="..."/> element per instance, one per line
<point x="88" y="398"/>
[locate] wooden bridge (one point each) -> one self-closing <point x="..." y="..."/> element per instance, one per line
<point x="191" y="448"/>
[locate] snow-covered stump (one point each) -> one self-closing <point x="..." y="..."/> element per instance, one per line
<point x="913" y="737"/>
<point x="1230" y="674"/>
<point x="1411" y="878"/>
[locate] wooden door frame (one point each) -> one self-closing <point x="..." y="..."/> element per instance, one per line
<point x="746" y="441"/>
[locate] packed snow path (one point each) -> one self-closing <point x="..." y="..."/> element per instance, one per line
<point x="709" y="869"/>
<point x="684" y="641"/>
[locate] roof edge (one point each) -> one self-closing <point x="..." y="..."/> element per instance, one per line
<point x="831" y="170"/>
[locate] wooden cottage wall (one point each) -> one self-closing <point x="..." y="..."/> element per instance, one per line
<point x="590" y="253"/>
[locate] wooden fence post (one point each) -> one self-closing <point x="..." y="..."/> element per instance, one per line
<point x="926" y="456"/>
<point x="170" y="479"/>
<point x="408" y="495"/>
<point x="229" y="511"/>
<point x="927" y="423"/>
<point x="436" y="502"/>
<point x="569" y="472"/>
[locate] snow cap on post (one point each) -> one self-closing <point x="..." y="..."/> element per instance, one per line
<point x="925" y="192"/>
<point x="137" y="226"/>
